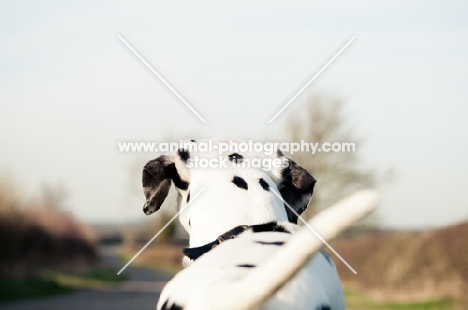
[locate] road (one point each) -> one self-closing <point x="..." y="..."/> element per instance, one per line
<point x="141" y="291"/>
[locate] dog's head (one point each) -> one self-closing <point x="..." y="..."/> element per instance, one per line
<point x="238" y="184"/>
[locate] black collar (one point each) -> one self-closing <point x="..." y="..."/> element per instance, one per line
<point x="194" y="253"/>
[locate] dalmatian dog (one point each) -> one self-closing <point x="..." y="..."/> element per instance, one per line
<point x="236" y="224"/>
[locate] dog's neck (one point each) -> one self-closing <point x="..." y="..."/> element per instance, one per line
<point x="212" y="214"/>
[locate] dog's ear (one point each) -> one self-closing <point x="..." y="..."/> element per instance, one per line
<point x="296" y="186"/>
<point x="157" y="177"/>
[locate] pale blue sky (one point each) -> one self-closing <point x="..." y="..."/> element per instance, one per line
<point x="70" y="90"/>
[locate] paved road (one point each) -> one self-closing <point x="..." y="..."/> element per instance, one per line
<point x="140" y="292"/>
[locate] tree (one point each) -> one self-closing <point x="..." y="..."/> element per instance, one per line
<point x="54" y="196"/>
<point x="338" y="174"/>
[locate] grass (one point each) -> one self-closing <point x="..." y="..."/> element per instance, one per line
<point x="358" y="300"/>
<point x="168" y="268"/>
<point x="55" y="283"/>
<point x="97" y="278"/>
<point x="430" y="262"/>
<point x="30" y="288"/>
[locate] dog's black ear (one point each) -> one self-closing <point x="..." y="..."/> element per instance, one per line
<point x="296" y="187"/>
<point x="157" y="177"/>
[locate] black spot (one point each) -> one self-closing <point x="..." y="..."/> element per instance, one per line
<point x="323" y="307"/>
<point x="246" y="266"/>
<point x="178" y="182"/>
<point x="326" y="257"/>
<point x="240" y="182"/>
<point x="193" y="140"/>
<point x="270" y="243"/>
<point x="184" y="155"/>
<point x="188" y="197"/>
<point x="286" y="173"/>
<point x="165" y="306"/>
<point x="264" y="184"/>
<point x="237" y="158"/>
<point x="296" y="188"/>
<point x="272" y="226"/>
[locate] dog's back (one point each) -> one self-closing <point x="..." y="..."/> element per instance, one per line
<point x="315" y="287"/>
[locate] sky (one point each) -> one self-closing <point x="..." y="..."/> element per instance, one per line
<point x="70" y="90"/>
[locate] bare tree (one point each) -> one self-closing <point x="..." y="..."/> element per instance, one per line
<point x="54" y="196"/>
<point x="338" y="174"/>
